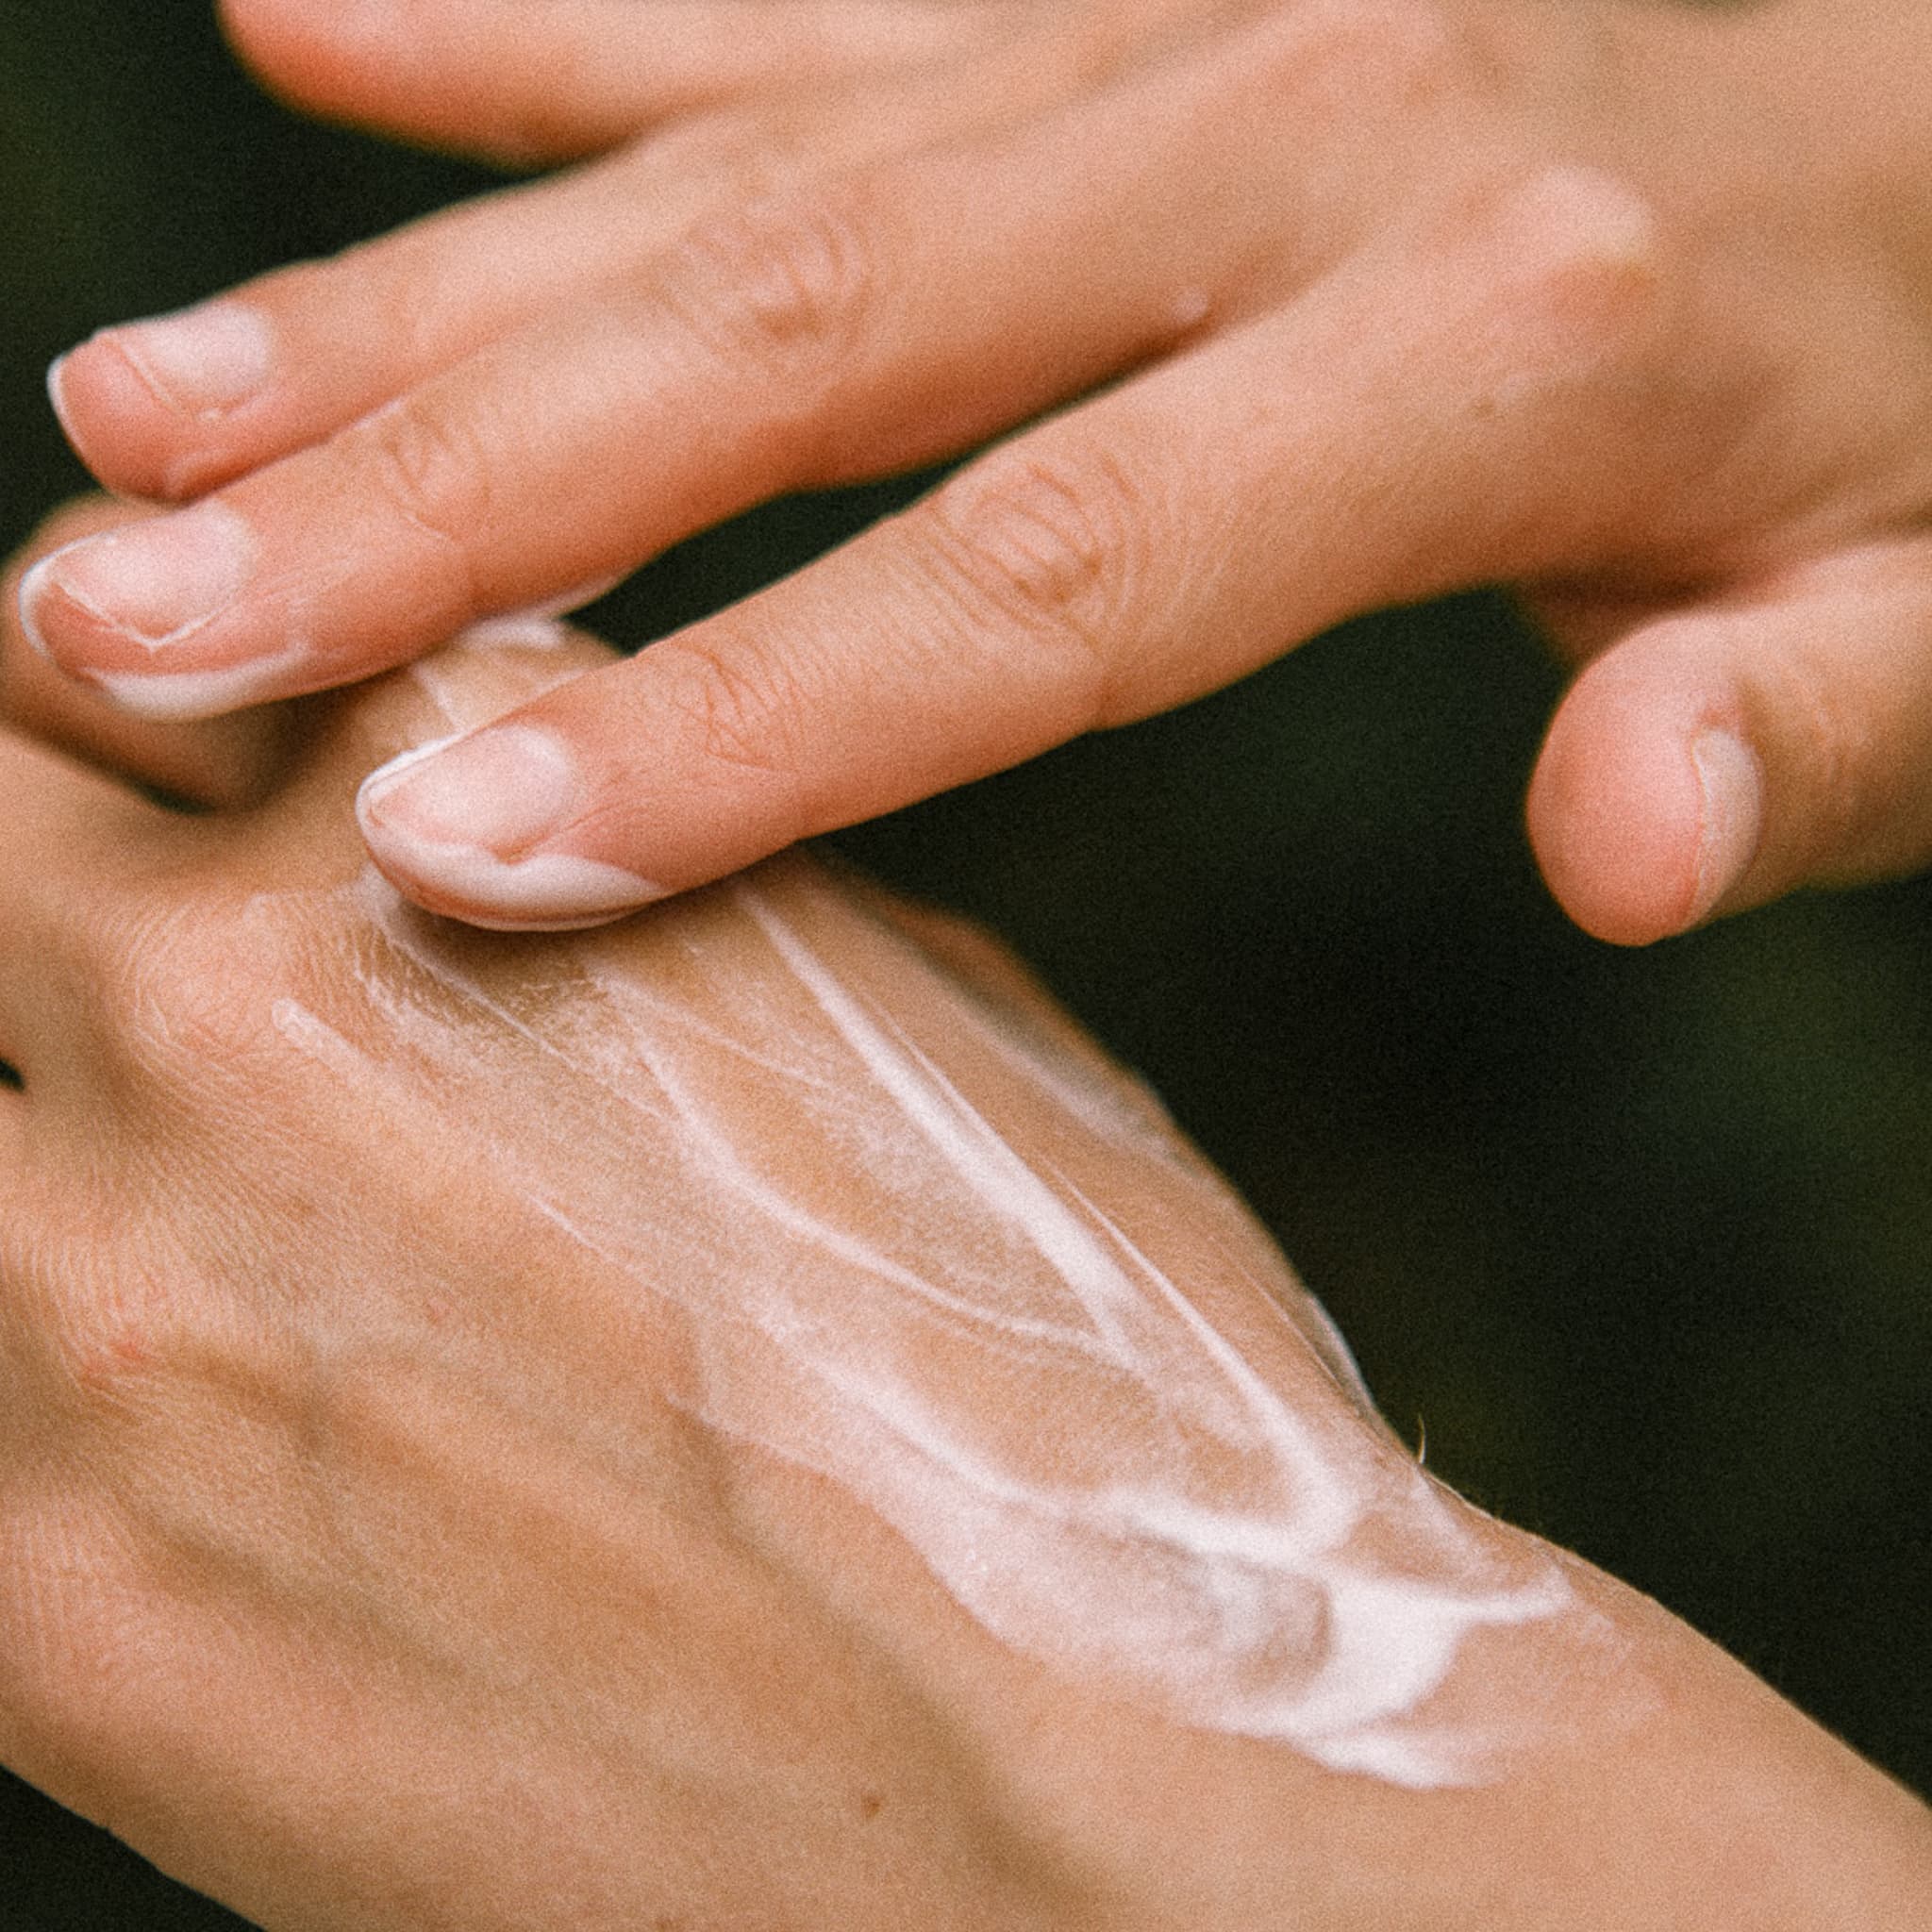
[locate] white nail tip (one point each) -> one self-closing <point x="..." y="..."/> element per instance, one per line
<point x="167" y="696"/>
<point x="546" y="891"/>
<point x="31" y="585"/>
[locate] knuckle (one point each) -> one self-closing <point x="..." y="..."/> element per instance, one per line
<point x="743" y="158"/>
<point x="167" y="987"/>
<point x="108" y="1350"/>
<point x="1052" y="543"/>
<point x="182" y="1008"/>
<point x="1582" y="268"/>
<point x="782" y="283"/>
<point x="120" y="1344"/>
<point x="428" y="466"/>
<point x="135" y="1282"/>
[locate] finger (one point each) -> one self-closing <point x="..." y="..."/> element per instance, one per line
<point x="219" y="762"/>
<point x="847" y="329"/>
<point x="177" y="404"/>
<point x="173" y="406"/>
<point x="1716" y="757"/>
<point x="1146" y="549"/>
<point x="512" y="80"/>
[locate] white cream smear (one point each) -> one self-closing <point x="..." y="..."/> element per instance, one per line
<point x="1055" y="1355"/>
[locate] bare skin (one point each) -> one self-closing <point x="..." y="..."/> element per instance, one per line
<point x="1625" y="304"/>
<point x="471" y="1410"/>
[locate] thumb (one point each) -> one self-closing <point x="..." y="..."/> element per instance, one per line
<point x="1716" y="757"/>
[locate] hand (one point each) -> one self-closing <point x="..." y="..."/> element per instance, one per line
<point x="743" y="1420"/>
<point x="1625" y="304"/>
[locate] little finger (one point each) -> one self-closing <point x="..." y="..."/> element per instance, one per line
<point x="513" y="81"/>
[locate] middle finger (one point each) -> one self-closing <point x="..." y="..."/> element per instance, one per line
<point x="181" y="404"/>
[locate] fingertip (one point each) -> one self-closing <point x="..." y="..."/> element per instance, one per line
<point x="119" y="599"/>
<point x="107" y="414"/>
<point x="306" y="50"/>
<point x="478" y="828"/>
<point x="144" y="403"/>
<point x="1644" y="815"/>
<point x="227" y="762"/>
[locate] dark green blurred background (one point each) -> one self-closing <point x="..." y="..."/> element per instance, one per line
<point x="1642" y="1240"/>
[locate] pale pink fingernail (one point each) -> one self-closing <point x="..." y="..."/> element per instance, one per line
<point x="56" y="394"/>
<point x="1730" y="786"/>
<point x="158" y="582"/>
<point x="202" y="361"/>
<point x="469" y="819"/>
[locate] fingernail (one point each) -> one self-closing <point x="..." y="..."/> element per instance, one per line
<point x="177" y="695"/>
<point x="56" y="394"/>
<point x="467" y="819"/>
<point x="503" y="791"/>
<point x="1731" y="817"/>
<point x="201" y="361"/>
<point x="158" y="582"/>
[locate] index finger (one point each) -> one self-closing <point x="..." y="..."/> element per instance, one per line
<point x="1143" y="550"/>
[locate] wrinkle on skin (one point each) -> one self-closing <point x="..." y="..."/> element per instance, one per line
<point x="1043" y="1341"/>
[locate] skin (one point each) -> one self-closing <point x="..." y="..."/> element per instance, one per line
<point x="376" y="1550"/>
<point x="1624" y="304"/>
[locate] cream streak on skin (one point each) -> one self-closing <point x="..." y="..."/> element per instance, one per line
<point x="1055" y="1355"/>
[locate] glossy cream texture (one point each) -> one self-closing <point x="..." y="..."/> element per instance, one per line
<point x="904" y="1228"/>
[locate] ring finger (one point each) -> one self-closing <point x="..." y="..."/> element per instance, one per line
<point x="177" y="404"/>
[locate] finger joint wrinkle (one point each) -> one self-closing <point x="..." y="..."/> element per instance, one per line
<point x="435" y="476"/>
<point x="785" y="284"/>
<point x="1050" y="544"/>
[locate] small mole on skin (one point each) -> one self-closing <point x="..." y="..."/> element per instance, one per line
<point x="870" y="1805"/>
